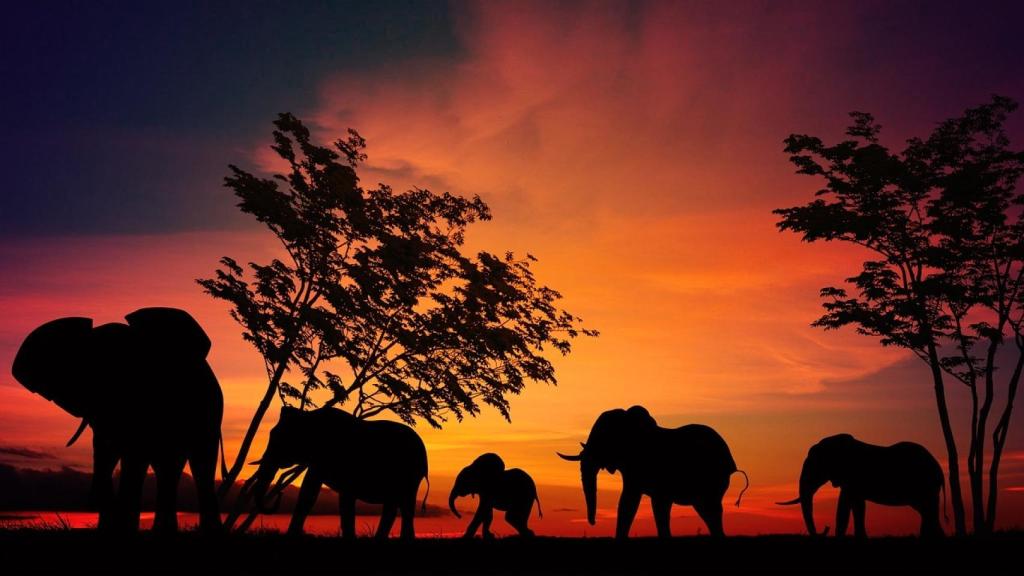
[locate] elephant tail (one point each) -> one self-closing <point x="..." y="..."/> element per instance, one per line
<point x="746" y="479"/>
<point x="540" y="512"/>
<point x="78" y="433"/>
<point x="423" y="508"/>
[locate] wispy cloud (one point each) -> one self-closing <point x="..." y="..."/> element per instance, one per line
<point x="10" y="452"/>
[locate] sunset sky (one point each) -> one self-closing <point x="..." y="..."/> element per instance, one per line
<point x="634" y="148"/>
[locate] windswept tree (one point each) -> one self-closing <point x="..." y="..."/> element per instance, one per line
<point x="944" y="221"/>
<point x="373" y="305"/>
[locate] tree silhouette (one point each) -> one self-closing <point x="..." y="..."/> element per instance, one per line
<point x="944" y="223"/>
<point x="374" y="305"/>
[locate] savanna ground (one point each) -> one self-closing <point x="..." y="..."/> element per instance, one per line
<point x="35" y="551"/>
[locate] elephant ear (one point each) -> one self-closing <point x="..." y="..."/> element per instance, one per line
<point x="52" y="360"/>
<point x="489" y="462"/>
<point x="288" y="413"/>
<point x="842" y="460"/>
<point x="171" y="332"/>
<point x="489" y="468"/>
<point x="641" y="418"/>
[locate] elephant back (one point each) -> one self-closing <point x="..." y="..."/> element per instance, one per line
<point x="704" y="447"/>
<point x="52" y="358"/>
<point x="170" y="332"/>
<point x="518" y="481"/>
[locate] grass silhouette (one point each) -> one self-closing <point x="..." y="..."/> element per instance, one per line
<point x="49" y="550"/>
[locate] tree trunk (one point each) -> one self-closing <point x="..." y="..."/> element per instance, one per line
<point x="974" y="470"/>
<point x="999" y="434"/>
<point x="981" y="520"/>
<point x="254" y="425"/>
<point x="953" y="459"/>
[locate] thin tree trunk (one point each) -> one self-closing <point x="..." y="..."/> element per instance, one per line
<point x="979" y="425"/>
<point x="286" y="479"/>
<point x="953" y="459"/>
<point x="254" y="426"/>
<point x="240" y="504"/>
<point x="977" y="469"/>
<point x="999" y="434"/>
<point x="976" y="445"/>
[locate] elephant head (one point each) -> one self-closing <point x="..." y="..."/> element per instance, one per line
<point x="52" y="360"/>
<point x="288" y="446"/>
<point x="88" y="370"/>
<point x="827" y="461"/>
<point x="612" y="445"/>
<point x="483" y="474"/>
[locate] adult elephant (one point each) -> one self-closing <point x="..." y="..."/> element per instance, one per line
<point x="689" y="465"/>
<point x="510" y="490"/>
<point x="150" y="397"/>
<point x="904" y="474"/>
<point x="374" y="461"/>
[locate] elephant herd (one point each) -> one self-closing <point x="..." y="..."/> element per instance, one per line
<point x="151" y="399"/>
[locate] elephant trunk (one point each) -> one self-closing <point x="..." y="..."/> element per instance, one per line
<point x="808" y="487"/>
<point x="588" y="473"/>
<point x="451" y="504"/>
<point x="459" y="489"/>
<point x="264" y="475"/>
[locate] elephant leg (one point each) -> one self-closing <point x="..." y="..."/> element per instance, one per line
<point x="485" y="529"/>
<point x="858" y="505"/>
<point x="842" y="513"/>
<point x="387" y="520"/>
<point x="929" y="511"/>
<point x="629" y="501"/>
<point x="478" y="518"/>
<point x="710" y="511"/>
<point x="168" y="474"/>
<point x="408" y="509"/>
<point x="347" y="512"/>
<point x="662" y="508"/>
<point x="129" y="492"/>
<point x="104" y="460"/>
<point x="307" y="497"/>
<point x="204" y="469"/>
<point x="518" y="518"/>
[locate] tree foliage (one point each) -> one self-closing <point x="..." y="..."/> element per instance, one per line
<point x="374" y="304"/>
<point x="943" y="219"/>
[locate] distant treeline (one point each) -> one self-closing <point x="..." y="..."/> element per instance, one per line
<point x="67" y="489"/>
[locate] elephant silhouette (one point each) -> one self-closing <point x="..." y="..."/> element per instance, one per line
<point x="689" y="465"/>
<point x="150" y="397"/>
<point x="904" y="474"/>
<point x="511" y="491"/>
<point x="374" y="461"/>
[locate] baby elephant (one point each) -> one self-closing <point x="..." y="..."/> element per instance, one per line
<point x="512" y="491"/>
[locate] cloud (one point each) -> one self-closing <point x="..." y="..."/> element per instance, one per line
<point x="23" y="454"/>
<point x="641" y="108"/>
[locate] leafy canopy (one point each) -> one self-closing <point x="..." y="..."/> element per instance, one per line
<point x="942" y="219"/>
<point x="375" y="305"/>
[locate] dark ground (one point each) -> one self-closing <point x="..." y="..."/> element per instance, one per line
<point x="85" y="552"/>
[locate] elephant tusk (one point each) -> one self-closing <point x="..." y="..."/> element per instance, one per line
<point x="78" y="433"/>
<point x="575" y="458"/>
<point x="789" y="502"/>
<point x="256" y="462"/>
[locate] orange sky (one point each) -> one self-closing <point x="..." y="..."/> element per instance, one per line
<point x="639" y="159"/>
